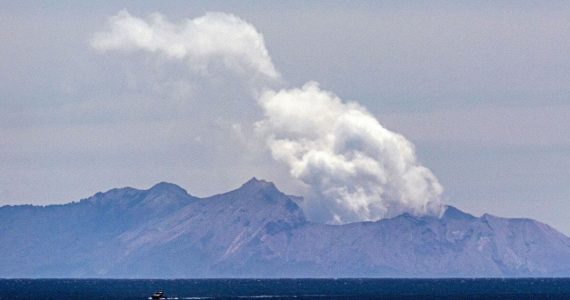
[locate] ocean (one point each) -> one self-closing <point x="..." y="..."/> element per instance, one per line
<point x="539" y="288"/>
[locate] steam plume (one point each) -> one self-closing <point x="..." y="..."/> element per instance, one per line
<point x="353" y="167"/>
<point x="200" y="41"/>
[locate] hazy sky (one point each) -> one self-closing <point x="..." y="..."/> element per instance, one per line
<point x="483" y="91"/>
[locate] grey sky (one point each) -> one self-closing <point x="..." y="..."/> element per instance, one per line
<point x="481" y="90"/>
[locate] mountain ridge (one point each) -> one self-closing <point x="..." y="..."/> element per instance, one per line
<point x="258" y="231"/>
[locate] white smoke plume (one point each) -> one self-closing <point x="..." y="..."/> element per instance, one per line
<point x="201" y="41"/>
<point x="354" y="168"/>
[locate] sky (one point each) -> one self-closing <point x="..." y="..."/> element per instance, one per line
<point x="482" y="91"/>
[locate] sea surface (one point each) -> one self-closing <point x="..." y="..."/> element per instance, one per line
<point x="540" y="288"/>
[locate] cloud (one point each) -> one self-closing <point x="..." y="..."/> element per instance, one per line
<point x="203" y="41"/>
<point x="356" y="169"/>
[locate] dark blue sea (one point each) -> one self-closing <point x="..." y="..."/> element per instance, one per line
<point x="287" y="288"/>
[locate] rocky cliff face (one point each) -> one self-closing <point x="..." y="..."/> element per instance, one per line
<point x="257" y="231"/>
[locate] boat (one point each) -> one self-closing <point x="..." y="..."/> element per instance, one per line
<point x="158" y="295"/>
